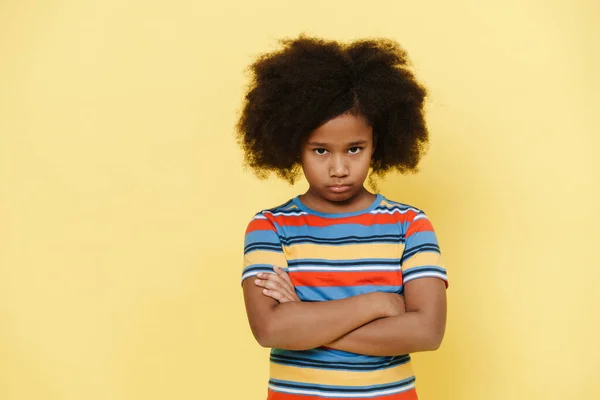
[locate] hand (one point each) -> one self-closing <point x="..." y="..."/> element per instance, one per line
<point x="395" y="304"/>
<point x="279" y="286"/>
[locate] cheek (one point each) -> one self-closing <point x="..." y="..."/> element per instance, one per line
<point x="309" y="166"/>
<point x="364" y="162"/>
<point x="361" y="168"/>
<point x="313" y="169"/>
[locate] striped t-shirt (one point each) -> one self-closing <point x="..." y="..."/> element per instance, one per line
<point x="334" y="256"/>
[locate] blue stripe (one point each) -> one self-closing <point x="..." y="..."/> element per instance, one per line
<point x="263" y="246"/>
<point x="325" y="293"/>
<point x="281" y="207"/>
<point x="288" y="213"/>
<point x="424" y="268"/>
<point x="256" y="268"/>
<point x="421" y="237"/>
<point x="427" y="247"/>
<point x="345" y="240"/>
<point x="333" y="365"/>
<point x="333" y="356"/>
<point x="262" y="236"/>
<point x="345" y="263"/>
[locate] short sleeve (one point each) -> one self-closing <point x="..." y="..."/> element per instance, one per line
<point x="422" y="257"/>
<point x="262" y="248"/>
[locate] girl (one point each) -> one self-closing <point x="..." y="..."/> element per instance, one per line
<point x="343" y="284"/>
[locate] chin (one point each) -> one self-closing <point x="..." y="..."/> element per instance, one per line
<point x="339" y="197"/>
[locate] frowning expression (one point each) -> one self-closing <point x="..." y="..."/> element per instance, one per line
<point x="336" y="158"/>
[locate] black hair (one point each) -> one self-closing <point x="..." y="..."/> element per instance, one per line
<point x="309" y="81"/>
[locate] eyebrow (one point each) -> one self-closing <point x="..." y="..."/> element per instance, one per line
<point x="319" y="144"/>
<point x="357" y="143"/>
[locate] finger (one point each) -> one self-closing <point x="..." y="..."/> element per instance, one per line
<point x="280" y="272"/>
<point x="281" y="277"/>
<point x="280" y="297"/>
<point x="279" y="292"/>
<point x="272" y="284"/>
<point x="273" y="281"/>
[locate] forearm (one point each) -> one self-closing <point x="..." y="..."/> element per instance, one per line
<point x="404" y="334"/>
<point x="307" y="325"/>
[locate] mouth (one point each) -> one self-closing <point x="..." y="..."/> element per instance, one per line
<point x="339" y="188"/>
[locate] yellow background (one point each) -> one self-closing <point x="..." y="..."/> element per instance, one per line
<point x="123" y="201"/>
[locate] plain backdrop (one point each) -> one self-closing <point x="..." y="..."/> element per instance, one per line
<point x="123" y="199"/>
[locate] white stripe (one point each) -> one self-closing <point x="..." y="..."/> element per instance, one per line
<point x="287" y="213"/>
<point x="420" y="216"/>
<point x="376" y="211"/>
<point x="392" y="211"/>
<point x="425" y="274"/>
<point x="355" y="268"/>
<point x="343" y="394"/>
<point x="259" y="216"/>
<point x="249" y="274"/>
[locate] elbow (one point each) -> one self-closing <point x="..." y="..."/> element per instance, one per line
<point x="269" y="340"/>
<point x="434" y="344"/>
<point x="261" y="339"/>
<point x="264" y="343"/>
<point x="270" y="331"/>
<point x="433" y="339"/>
<point x="269" y="337"/>
<point x="264" y="328"/>
<point x="431" y="332"/>
<point x="263" y="335"/>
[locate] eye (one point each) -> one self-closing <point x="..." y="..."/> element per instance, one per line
<point x="354" y="150"/>
<point x="320" y="151"/>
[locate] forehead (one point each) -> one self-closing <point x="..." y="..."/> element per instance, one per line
<point x="342" y="129"/>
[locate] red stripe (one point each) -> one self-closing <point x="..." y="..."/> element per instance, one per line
<point x="420" y="225"/>
<point x="259" y="225"/>
<point x="408" y="395"/>
<point x="363" y="219"/>
<point x="326" y="278"/>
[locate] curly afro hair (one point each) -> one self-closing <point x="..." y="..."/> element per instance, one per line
<point x="310" y="81"/>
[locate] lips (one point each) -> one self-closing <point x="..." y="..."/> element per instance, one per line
<point x="339" y="188"/>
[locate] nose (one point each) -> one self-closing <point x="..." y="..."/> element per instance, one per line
<point x="338" y="167"/>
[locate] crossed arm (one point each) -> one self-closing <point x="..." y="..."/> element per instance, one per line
<point x="378" y="324"/>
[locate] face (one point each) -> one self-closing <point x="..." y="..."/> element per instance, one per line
<point x="336" y="159"/>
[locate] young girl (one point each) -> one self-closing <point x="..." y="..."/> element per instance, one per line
<point x="340" y="282"/>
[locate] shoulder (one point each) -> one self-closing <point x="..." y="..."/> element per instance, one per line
<point x="285" y="209"/>
<point x="267" y="218"/>
<point x="404" y="212"/>
<point x="289" y="207"/>
<point x="415" y="224"/>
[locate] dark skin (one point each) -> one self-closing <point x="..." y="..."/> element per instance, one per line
<point x="417" y="327"/>
<point x="335" y="159"/>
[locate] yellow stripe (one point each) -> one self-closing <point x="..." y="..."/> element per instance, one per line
<point x="421" y="259"/>
<point x="387" y="204"/>
<point x="341" y="378"/>
<point x="265" y="257"/>
<point x="347" y="252"/>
